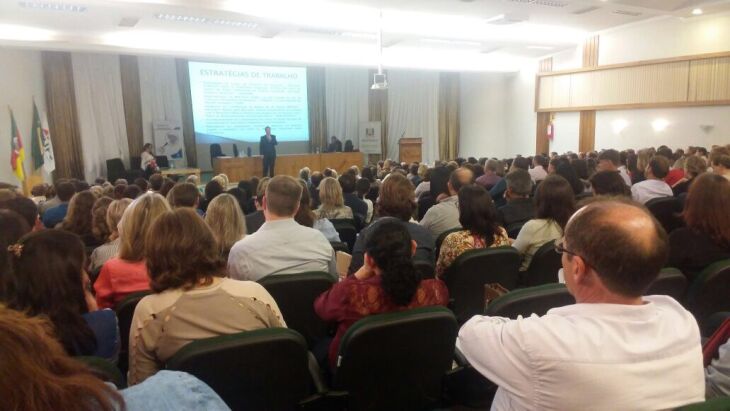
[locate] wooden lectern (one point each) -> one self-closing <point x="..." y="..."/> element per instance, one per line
<point x="410" y="150"/>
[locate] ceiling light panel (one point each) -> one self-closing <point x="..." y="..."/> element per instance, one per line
<point x="205" y="20"/>
<point x="53" y="6"/>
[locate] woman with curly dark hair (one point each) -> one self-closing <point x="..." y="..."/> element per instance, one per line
<point x="387" y="281"/>
<point x="192" y="298"/>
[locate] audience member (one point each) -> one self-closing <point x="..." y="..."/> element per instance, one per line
<point x="555" y="204"/>
<point x="478" y="218"/>
<point x="717" y="372"/>
<point x="108" y="250"/>
<point x="676" y="171"/>
<point x="444" y="215"/>
<point x="52" y="199"/>
<point x="143" y="184"/>
<point x="255" y="220"/>
<point x="397" y="202"/>
<point x="56" y="214"/>
<point x="720" y="160"/>
<point x="79" y="218"/>
<point x="126" y="273"/>
<point x="706" y="238"/>
<point x="332" y="203"/>
<point x="26" y="208"/>
<point x="38" y="193"/>
<point x="212" y="189"/>
<point x="644" y="352"/>
<point x="538" y="172"/>
<point x="567" y="171"/>
<point x="519" y="208"/>
<point x="362" y="189"/>
<point x="498" y="191"/>
<point x="425" y="185"/>
<point x="654" y="185"/>
<point x="609" y="183"/>
<point x="119" y="191"/>
<point x="12" y="228"/>
<point x="184" y="195"/>
<point x="167" y="185"/>
<point x="610" y="160"/>
<point x="156" y="181"/>
<point x="226" y="222"/>
<point x="132" y="191"/>
<point x="316" y="179"/>
<point x="413" y="176"/>
<point x="248" y="203"/>
<point x="693" y="167"/>
<point x="192" y="299"/>
<point x="348" y="183"/>
<point x="47" y="278"/>
<point x="281" y="246"/>
<point x="99" y="228"/>
<point x="642" y="161"/>
<point x="306" y="217"/>
<point x="386" y="282"/>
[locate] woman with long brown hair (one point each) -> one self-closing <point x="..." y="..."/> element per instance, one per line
<point x="79" y="217"/>
<point x="706" y="239"/>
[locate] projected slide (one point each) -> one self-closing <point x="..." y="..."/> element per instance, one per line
<point x="236" y="102"/>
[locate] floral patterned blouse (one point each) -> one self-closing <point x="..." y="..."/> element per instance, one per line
<point x="456" y="243"/>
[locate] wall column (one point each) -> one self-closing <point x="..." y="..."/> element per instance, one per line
<point x="587" y="131"/>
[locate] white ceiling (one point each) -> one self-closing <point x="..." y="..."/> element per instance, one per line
<point x="482" y="35"/>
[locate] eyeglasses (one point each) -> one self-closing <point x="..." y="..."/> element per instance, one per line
<point x="560" y="249"/>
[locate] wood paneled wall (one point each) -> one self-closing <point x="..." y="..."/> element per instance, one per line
<point x="129" y="69"/>
<point x="542" y="143"/>
<point x="62" y="114"/>
<point x="587" y="124"/>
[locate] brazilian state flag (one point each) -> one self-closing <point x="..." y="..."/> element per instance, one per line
<point x="17" y="152"/>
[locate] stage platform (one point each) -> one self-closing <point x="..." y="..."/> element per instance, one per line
<point x="243" y="168"/>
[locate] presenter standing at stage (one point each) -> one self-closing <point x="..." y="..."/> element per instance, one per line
<point x="267" y="148"/>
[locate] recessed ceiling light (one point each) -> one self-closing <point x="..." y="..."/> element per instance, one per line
<point x="52" y="6"/>
<point x="540" y="47"/>
<point x="696" y="12"/>
<point x="198" y="19"/>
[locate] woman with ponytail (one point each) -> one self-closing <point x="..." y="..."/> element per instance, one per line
<point x="386" y="282"/>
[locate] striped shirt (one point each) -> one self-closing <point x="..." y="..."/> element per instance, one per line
<point x="101" y="254"/>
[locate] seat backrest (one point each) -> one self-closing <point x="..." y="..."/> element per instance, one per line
<point x="396" y="361"/>
<point x="295" y="295"/>
<point x="264" y="369"/>
<point x="714" y="404"/>
<point x="340" y="246"/>
<point x="162" y="161"/>
<point x="532" y="300"/>
<point x="347" y="230"/>
<point x="544" y="266"/>
<point x="104" y="369"/>
<point x="666" y="210"/>
<point x="215" y="151"/>
<point x="125" y="311"/>
<point x="709" y="292"/>
<point x="115" y="169"/>
<point x="670" y="282"/>
<point x="468" y="274"/>
<point x="440" y="239"/>
<point x="425" y="268"/>
<point x="235" y="150"/>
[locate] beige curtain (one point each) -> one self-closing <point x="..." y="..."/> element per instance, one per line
<point x="449" y="95"/>
<point x="378" y="111"/>
<point x="62" y="114"/>
<point x="186" y="106"/>
<point x="316" y="97"/>
<point x="129" y="70"/>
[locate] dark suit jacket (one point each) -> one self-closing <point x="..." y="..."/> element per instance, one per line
<point x="268" y="148"/>
<point x="334" y="147"/>
<point x="254" y="221"/>
<point x="358" y="206"/>
<point x="516" y="211"/>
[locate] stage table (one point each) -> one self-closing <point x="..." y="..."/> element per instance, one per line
<point x="243" y="168"/>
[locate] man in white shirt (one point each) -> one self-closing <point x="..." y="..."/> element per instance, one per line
<point x="538" y="172"/>
<point x="610" y="160"/>
<point x="654" y="185"/>
<point x="613" y="349"/>
<point x="281" y="245"/>
<point x="445" y="215"/>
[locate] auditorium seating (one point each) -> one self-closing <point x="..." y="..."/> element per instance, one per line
<point x="105" y="370"/>
<point x="396" y="361"/>
<point x="347" y="229"/>
<point x="295" y="295"/>
<point x="340" y="246"/>
<point x="426" y="269"/>
<point x="472" y="270"/>
<point x="267" y="369"/>
<point x="125" y="312"/>
<point x="527" y="301"/>
<point x="709" y="292"/>
<point x="544" y="266"/>
<point x="666" y="210"/>
<point x="714" y="404"/>
<point x="670" y="282"/>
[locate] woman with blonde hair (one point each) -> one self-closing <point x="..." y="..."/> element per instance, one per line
<point x="225" y="219"/>
<point x="127" y="273"/>
<point x="112" y="216"/>
<point x="332" y="204"/>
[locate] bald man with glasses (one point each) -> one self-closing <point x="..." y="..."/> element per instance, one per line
<point x="615" y="349"/>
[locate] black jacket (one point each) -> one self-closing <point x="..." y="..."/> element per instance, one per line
<point x="267" y="148"/>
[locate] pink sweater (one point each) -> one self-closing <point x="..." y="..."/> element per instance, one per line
<point x="119" y="278"/>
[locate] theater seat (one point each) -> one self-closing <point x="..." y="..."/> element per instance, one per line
<point x="666" y="210"/>
<point x="295" y="295"/>
<point x="670" y="282"/>
<point x="265" y="369"/>
<point x="347" y="229"/>
<point x="709" y="292"/>
<point x="426" y="269"/>
<point x="396" y="361"/>
<point x="468" y="274"/>
<point x="544" y="266"/>
<point x="715" y="404"/>
<point x="340" y="246"/>
<point x="125" y="311"/>
<point x="105" y="370"/>
<point x="527" y="301"/>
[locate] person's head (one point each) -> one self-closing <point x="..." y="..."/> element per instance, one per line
<point x="136" y="222"/>
<point x="12" y="227"/>
<point x="367" y="174"/>
<point x="330" y="193"/>
<point x="23" y="206"/>
<point x="580" y="167"/>
<point x="520" y="163"/>
<point x="519" y="184"/>
<point x="39" y="190"/>
<point x="348" y="183"/>
<point x="132" y="191"/>
<point x="193" y="179"/>
<point x="282" y="197"/>
<point x="555" y="200"/>
<point x="225" y="219"/>
<point x="567" y="171"/>
<point x="65" y="191"/>
<point x="362" y="187"/>
<point x="141" y="183"/>
<point x="491" y="167"/>
<point x="267" y="130"/>
<point x="119" y="191"/>
<point x="304" y="173"/>
<point x="222" y="179"/>
<point x="642" y="159"/>
<point x="613" y="251"/>
<point x="147" y="147"/>
<point x="720" y="160"/>
<point x="184" y="195"/>
<point x="658" y="168"/>
<point x="477" y="212"/>
<point x="609" y="160"/>
<point x="261" y="191"/>
<point x="694" y="166"/>
<point x="212" y="189"/>
<point x="317" y="178"/>
<point x="121" y="182"/>
<point x="114" y="213"/>
<point x="459" y="178"/>
<point x="47" y="278"/>
<point x="665" y="152"/>
<point x="706" y="207"/>
<point x="349" y="146"/>
<point x="37" y="374"/>
<point x="609" y="183"/>
<point x="396" y="198"/>
<point x="333" y="139"/>
<point x="439" y="181"/>
<point x="422" y="169"/>
<point x="389" y="252"/>
<point x="156" y="181"/>
<point x="413" y="169"/>
<point x="304" y="215"/>
<point x="167" y="185"/>
<point x="193" y="259"/>
<point x="99" y="227"/>
<point x="79" y="216"/>
<point x="540" y="161"/>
